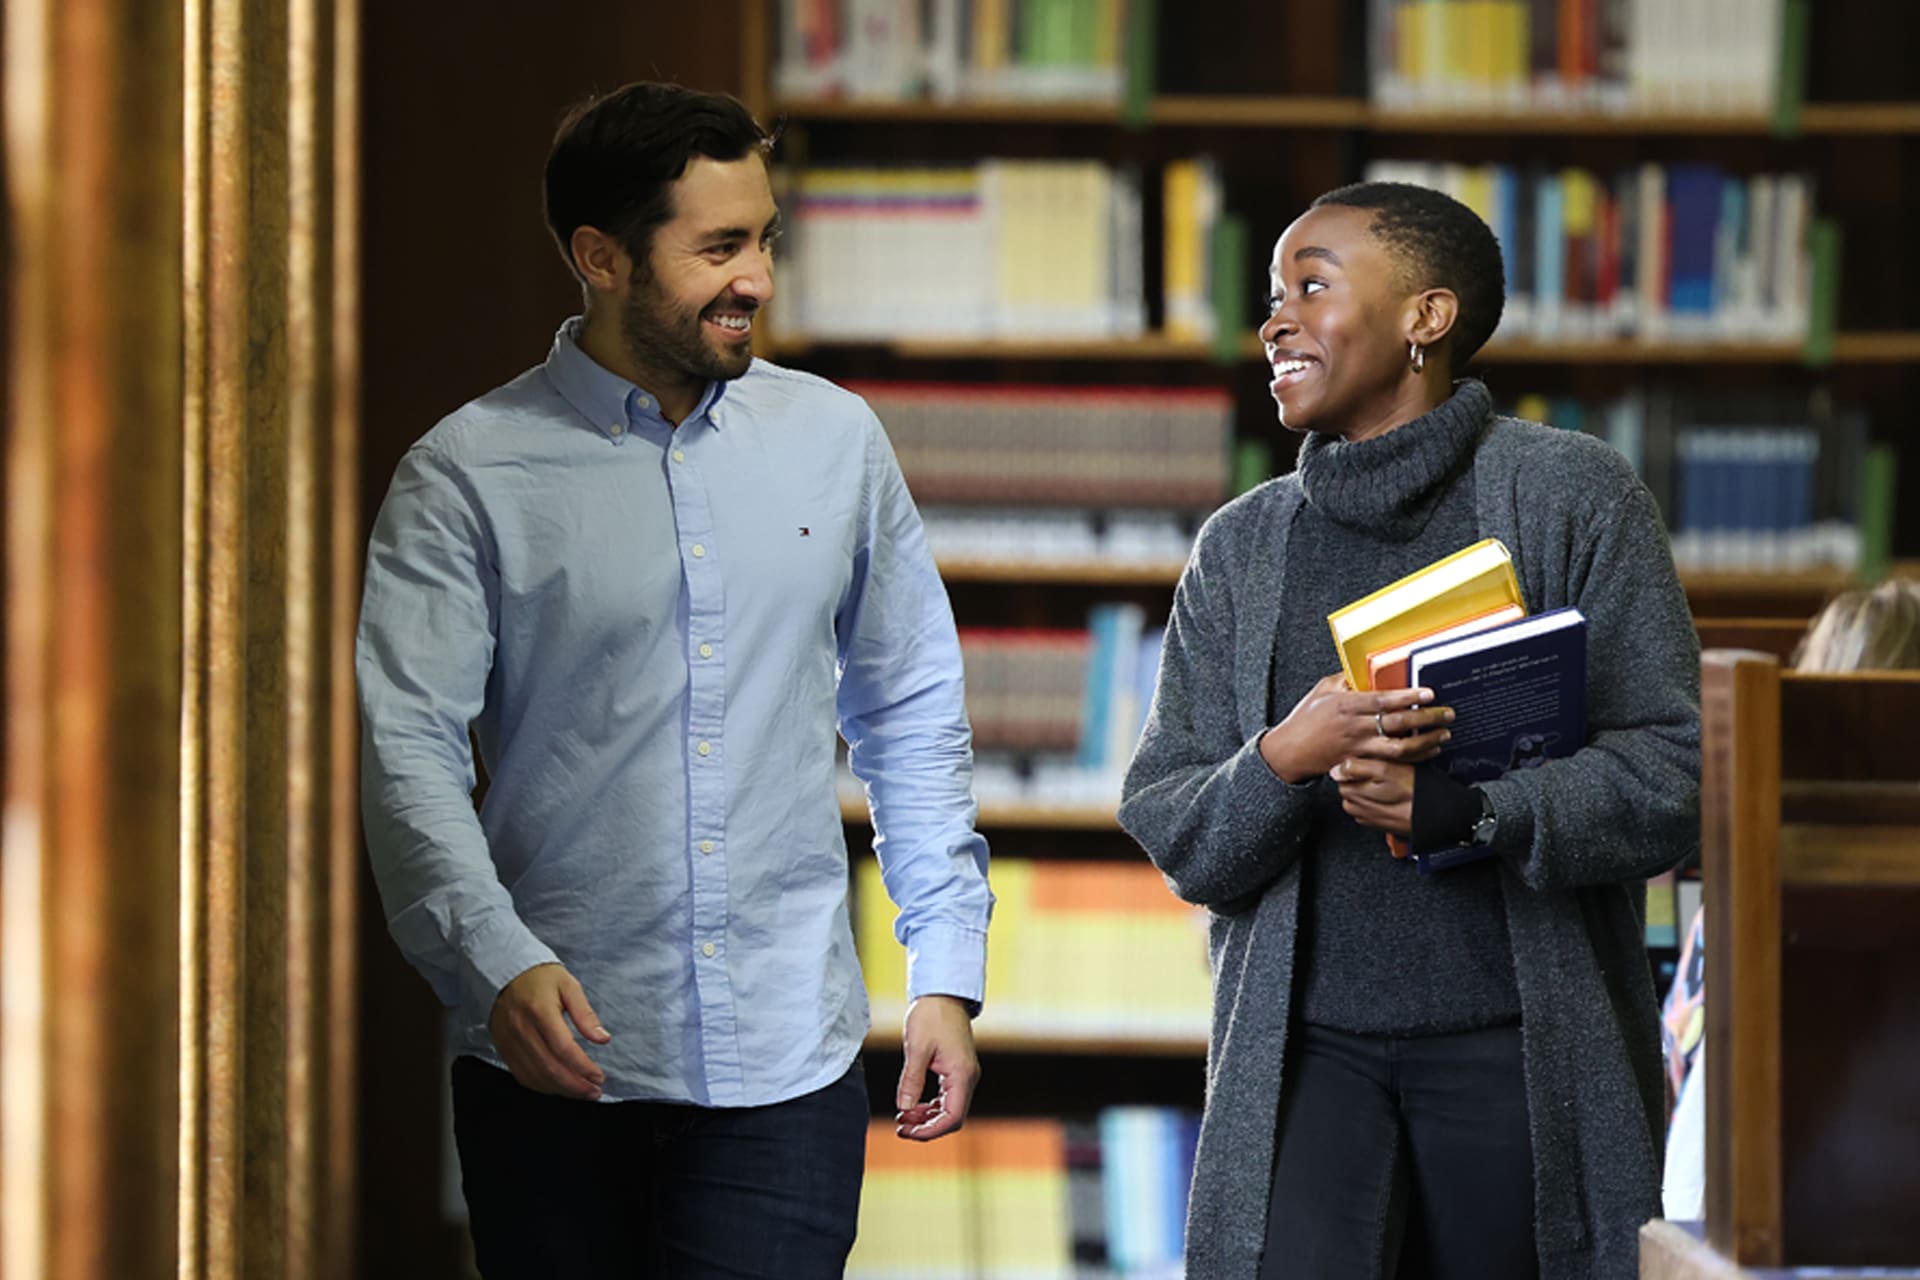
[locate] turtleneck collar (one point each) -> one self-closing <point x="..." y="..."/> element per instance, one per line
<point x="1388" y="485"/>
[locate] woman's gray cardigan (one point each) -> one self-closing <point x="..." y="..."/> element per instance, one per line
<point x="1576" y="838"/>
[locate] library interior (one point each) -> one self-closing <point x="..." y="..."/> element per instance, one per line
<point x="257" y="248"/>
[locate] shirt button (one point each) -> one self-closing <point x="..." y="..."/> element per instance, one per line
<point x="706" y="651"/>
<point x="679" y="455"/>
<point x="706" y="949"/>
<point x="643" y="402"/>
<point x="705" y="748"/>
<point x="699" y="550"/>
<point x="706" y="846"/>
<point x="616" y="430"/>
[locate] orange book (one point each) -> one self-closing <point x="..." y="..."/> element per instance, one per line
<point x="1387" y="668"/>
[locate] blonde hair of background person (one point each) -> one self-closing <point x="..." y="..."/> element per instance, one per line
<point x="1874" y="629"/>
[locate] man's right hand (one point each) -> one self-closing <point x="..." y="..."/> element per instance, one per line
<point x="529" y="1026"/>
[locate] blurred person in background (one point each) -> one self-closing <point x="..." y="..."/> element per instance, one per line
<point x="653" y="574"/>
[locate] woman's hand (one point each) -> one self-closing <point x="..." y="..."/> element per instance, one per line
<point x="1332" y="723"/>
<point x="1376" y="793"/>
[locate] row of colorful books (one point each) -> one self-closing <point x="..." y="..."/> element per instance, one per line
<point x="1647" y="56"/>
<point x="953" y="50"/>
<point x="1093" y="950"/>
<point x="1021" y="248"/>
<point x="1078" y="691"/>
<point x="1689" y="251"/>
<point x="1029" y="1199"/>
<point x="1080" y="446"/>
<point x="1020" y="536"/>
<point x="1747" y="482"/>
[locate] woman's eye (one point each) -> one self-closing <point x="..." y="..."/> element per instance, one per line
<point x="1313" y="286"/>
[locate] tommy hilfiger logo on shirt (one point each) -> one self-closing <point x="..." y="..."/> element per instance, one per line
<point x="805" y="531"/>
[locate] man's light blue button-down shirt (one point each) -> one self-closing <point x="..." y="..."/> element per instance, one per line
<point x="652" y="633"/>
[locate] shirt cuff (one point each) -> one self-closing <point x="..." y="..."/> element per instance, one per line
<point x="947" y="960"/>
<point x="497" y="952"/>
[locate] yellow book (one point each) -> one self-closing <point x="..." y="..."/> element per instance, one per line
<point x="1473" y="580"/>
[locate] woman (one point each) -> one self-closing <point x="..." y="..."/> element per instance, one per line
<point x="1447" y="1075"/>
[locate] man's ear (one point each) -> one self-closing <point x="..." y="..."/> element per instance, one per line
<point x="1431" y="315"/>
<point x="599" y="259"/>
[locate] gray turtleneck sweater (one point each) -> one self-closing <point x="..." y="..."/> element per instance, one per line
<point x="1375" y="511"/>
<point x="1576" y="836"/>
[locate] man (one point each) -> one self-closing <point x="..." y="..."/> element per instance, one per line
<point x="650" y="574"/>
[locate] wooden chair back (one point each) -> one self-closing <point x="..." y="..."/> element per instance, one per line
<point x="1810" y="810"/>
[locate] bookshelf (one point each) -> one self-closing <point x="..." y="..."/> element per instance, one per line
<point x="1277" y="96"/>
<point x="1886" y="119"/>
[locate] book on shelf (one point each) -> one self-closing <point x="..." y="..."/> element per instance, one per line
<point x="1090" y="950"/>
<point x="1688" y="252"/>
<point x="952" y="50"/>
<point x="1474" y="580"/>
<point x="1747" y="483"/>
<point x="1519" y="698"/>
<point x="1707" y="57"/>
<point x="1033" y="1198"/>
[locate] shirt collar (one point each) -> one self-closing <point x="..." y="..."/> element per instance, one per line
<point x="602" y="396"/>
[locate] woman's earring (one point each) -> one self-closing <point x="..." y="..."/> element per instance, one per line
<point x="1417" y="356"/>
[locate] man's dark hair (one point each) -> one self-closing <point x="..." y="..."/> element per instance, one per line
<point x="1440" y="243"/>
<point x="615" y="158"/>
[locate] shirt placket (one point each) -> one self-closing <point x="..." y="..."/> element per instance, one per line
<point x="706" y="767"/>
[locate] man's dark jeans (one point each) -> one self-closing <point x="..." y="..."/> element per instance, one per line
<point x="557" y="1187"/>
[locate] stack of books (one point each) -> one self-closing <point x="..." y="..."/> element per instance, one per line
<point x="1517" y="684"/>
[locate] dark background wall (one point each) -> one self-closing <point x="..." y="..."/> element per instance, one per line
<point x="462" y="290"/>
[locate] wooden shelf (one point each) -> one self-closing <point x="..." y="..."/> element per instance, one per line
<point x="804" y="111"/>
<point x="1091" y="573"/>
<point x="881" y="1040"/>
<point x="1889" y="347"/>
<point x="1034" y="817"/>
<point x="1282" y="111"/>
<point x="1153" y="346"/>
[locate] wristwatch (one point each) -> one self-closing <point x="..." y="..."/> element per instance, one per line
<point x="1486" y="824"/>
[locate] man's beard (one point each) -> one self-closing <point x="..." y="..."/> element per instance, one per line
<point x="673" y="339"/>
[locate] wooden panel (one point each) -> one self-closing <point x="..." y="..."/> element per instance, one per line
<point x="1858" y="727"/>
<point x="89" y="945"/>
<point x="1777" y="636"/>
<point x="1835" y="854"/>
<point x="1850" y="1030"/>
<point x="1740" y="805"/>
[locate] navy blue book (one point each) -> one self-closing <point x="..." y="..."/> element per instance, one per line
<point x="1519" y="699"/>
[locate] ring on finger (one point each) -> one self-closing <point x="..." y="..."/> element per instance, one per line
<point x="1379" y="725"/>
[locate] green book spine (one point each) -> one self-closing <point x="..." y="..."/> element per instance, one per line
<point x="1823" y="307"/>
<point x="1227" y="285"/>
<point x="1878" y="472"/>
<point x="1790" y="79"/>
<point x="1136" y="106"/>
<point x="1252" y="465"/>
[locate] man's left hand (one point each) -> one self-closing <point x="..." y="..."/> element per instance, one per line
<point x="939" y="1038"/>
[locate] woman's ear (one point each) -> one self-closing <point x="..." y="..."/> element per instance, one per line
<point x="1431" y="315"/>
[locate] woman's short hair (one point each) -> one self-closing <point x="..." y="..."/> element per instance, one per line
<point x="1865" y="631"/>
<point x="1440" y="243"/>
<point x="615" y="157"/>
